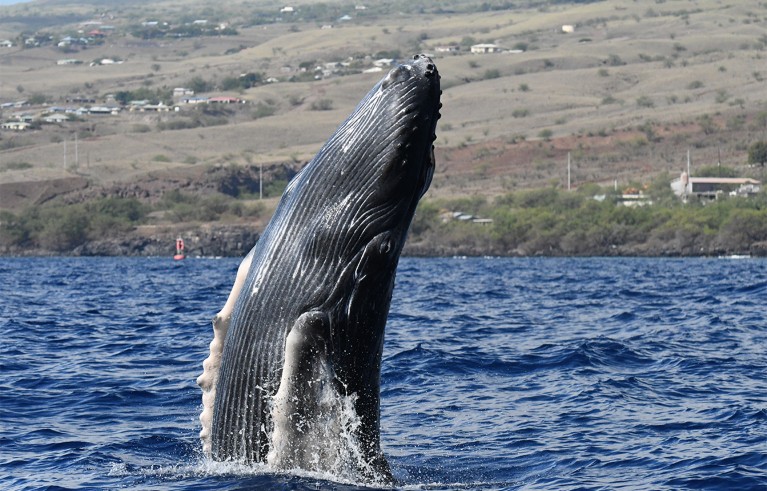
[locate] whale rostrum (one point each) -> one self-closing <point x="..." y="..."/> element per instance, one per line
<point x="293" y="376"/>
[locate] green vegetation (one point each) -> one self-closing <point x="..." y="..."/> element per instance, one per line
<point x="244" y="81"/>
<point x="61" y="229"/>
<point x="16" y="166"/>
<point x="757" y="153"/>
<point x="322" y="105"/>
<point x="155" y="96"/>
<point x="183" y="31"/>
<point x="553" y="222"/>
<point x="264" y="109"/>
<point x="548" y="221"/>
<point x="201" y="117"/>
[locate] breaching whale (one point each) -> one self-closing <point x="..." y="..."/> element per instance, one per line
<point x="293" y="376"/>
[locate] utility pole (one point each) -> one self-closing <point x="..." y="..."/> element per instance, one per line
<point x="260" y="181"/>
<point x="687" y="184"/>
<point x="568" y="171"/>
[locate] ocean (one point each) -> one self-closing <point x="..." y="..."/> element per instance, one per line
<point x="534" y="374"/>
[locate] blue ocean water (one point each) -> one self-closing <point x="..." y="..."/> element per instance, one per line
<point x="561" y="374"/>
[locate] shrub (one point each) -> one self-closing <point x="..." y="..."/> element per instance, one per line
<point x="263" y="110"/>
<point x="520" y="113"/>
<point x="546" y="134"/>
<point x="645" y="101"/>
<point x="322" y="105"/>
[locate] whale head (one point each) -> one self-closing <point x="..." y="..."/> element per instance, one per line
<point x="368" y="177"/>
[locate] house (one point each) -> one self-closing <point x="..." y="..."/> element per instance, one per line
<point x="8" y="105"/>
<point x="453" y="48"/>
<point x="486" y="48"/>
<point x="195" y="100"/>
<point x="67" y="41"/>
<point x="6" y="43"/>
<point x="103" y="110"/>
<point x="23" y="117"/>
<point x="634" y="199"/>
<point x="713" y="187"/>
<point x="224" y="100"/>
<point x="144" y="106"/>
<point x="182" y="91"/>
<point x="81" y="100"/>
<point x="56" y="118"/>
<point x="383" y="62"/>
<point x="16" y="125"/>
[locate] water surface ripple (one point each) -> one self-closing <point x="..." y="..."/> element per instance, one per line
<point x="561" y="374"/>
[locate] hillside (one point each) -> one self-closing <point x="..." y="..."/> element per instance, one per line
<point x="626" y="92"/>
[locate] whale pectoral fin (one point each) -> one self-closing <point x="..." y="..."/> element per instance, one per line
<point x="298" y="407"/>
<point x="306" y="349"/>
<point x="209" y="377"/>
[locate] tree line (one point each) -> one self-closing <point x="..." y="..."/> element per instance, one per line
<point x="554" y="222"/>
<point x="590" y="221"/>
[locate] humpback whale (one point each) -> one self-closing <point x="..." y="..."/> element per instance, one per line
<point x="293" y="375"/>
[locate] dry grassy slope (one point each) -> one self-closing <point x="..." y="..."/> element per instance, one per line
<point x="573" y="91"/>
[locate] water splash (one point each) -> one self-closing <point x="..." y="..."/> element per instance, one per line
<point x="315" y="429"/>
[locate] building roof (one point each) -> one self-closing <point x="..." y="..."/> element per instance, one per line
<point x="723" y="180"/>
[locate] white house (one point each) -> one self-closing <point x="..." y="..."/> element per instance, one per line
<point x="15" y="125"/>
<point x="486" y="48"/>
<point x="182" y="91"/>
<point x="713" y="187"/>
<point x="56" y="118"/>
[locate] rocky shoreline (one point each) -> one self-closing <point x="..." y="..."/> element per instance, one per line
<point x="234" y="240"/>
<point x="205" y="240"/>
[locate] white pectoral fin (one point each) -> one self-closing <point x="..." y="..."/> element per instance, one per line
<point x="306" y="372"/>
<point x="306" y="352"/>
<point x="209" y="377"/>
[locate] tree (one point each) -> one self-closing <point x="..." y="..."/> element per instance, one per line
<point x="197" y="84"/>
<point x="757" y="153"/>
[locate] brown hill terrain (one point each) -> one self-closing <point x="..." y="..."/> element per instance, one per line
<point x="627" y="93"/>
